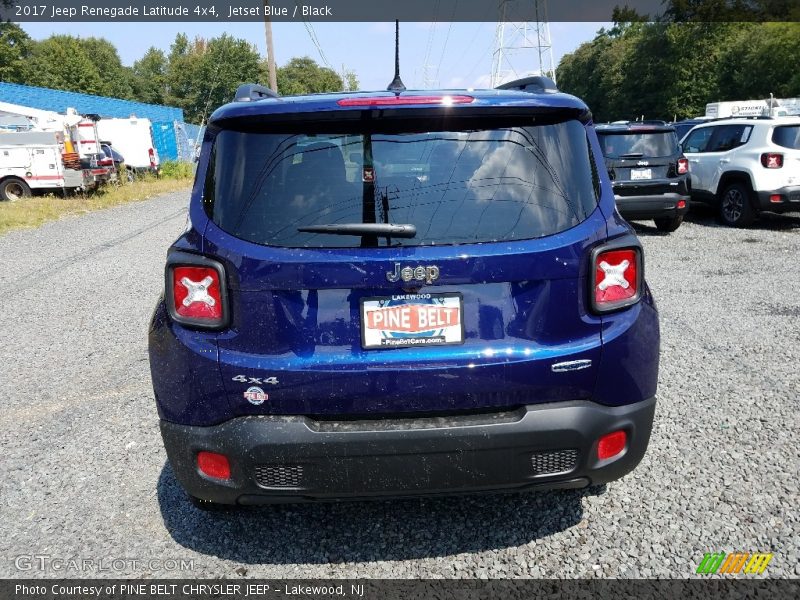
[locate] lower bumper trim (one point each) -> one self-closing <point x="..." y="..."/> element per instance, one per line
<point x="286" y="459"/>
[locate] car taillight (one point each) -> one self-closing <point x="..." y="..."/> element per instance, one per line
<point x="152" y="154"/>
<point x="617" y="278"/>
<point x="196" y="293"/>
<point x="214" y="465"/>
<point x="683" y="166"/>
<point x="771" y="160"/>
<point x="106" y="162"/>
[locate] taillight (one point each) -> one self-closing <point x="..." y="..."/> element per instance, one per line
<point x="152" y="154"/>
<point x="611" y="444"/>
<point x="683" y="166"/>
<point x="771" y="160"/>
<point x="196" y="293"/>
<point x="405" y="100"/>
<point x="214" y="465"/>
<point x="617" y="278"/>
<point x="106" y="162"/>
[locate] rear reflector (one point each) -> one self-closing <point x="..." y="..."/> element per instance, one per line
<point x="681" y="203"/>
<point x="152" y="155"/>
<point x="771" y="160"/>
<point x="214" y="465"/>
<point x="683" y="166"/>
<point x="611" y="444"/>
<point x="776" y="198"/>
<point x="617" y="279"/>
<point x="196" y="293"/>
<point x="405" y="100"/>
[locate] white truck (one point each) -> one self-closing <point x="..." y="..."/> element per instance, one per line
<point x="133" y="139"/>
<point x="771" y="107"/>
<point x="35" y="161"/>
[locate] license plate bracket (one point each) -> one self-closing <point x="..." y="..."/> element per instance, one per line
<point x="412" y="320"/>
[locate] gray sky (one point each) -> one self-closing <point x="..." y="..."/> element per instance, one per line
<point x="458" y="54"/>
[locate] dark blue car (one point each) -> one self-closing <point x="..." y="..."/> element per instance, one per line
<point x="402" y="293"/>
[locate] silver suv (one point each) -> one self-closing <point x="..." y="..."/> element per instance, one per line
<point x="745" y="166"/>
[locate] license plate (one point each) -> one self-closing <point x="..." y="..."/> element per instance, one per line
<point x="412" y="320"/>
<point x="641" y="174"/>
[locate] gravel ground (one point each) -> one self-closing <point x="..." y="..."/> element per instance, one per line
<point x="84" y="472"/>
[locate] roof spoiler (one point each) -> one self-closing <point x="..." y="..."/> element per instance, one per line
<point x="252" y="91"/>
<point x="536" y="84"/>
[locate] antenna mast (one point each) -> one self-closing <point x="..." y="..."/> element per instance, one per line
<point x="397" y="84"/>
<point x="520" y="47"/>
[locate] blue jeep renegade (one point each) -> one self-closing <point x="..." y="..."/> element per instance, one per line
<point x="402" y="293"/>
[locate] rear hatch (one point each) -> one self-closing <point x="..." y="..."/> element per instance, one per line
<point x="641" y="160"/>
<point x="787" y="138"/>
<point x="404" y="264"/>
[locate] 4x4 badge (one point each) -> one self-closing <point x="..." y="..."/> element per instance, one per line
<point x="428" y="273"/>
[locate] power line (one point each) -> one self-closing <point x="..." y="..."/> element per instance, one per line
<point x="314" y="40"/>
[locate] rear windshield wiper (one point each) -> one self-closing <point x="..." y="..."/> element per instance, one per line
<point x="378" y="229"/>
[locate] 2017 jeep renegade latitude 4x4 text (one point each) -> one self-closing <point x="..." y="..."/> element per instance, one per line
<point x="390" y="294"/>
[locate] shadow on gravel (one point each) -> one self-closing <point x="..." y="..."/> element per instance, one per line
<point x="702" y="214"/>
<point x="705" y="215"/>
<point x="367" y="531"/>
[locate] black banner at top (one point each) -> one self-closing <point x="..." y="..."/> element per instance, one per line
<point x="389" y="10"/>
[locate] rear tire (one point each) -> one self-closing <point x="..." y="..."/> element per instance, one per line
<point x="13" y="189"/>
<point x="668" y="224"/>
<point x="735" y="207"/>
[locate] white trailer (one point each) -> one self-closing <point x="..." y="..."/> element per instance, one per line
<point x="133" y="139"/>
<point x="34" y="161"/>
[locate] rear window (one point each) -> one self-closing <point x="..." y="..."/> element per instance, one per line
<point x="787" y="136"/>
<point x="455" y="186"/>
<point x="638" y="145"/>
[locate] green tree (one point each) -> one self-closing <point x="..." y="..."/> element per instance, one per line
<point x="14" y="50"/>
<point x="762" y="59"/>
<point x="61" y="62"/>
<point x="150" y="77"/>
<point x="117" y="80"/>
<point x="305" y="76"/>
<point x="202" y="75"/>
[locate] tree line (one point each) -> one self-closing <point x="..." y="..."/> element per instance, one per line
<point x="666" y="70"/>
<point x="196" y="75"/>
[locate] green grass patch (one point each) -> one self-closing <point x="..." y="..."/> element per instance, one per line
<point x="32" y="212"/>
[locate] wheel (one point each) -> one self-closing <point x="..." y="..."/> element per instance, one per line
<point x="735" y="208"/>
<point x="668" y="224"/>
<point x="13" y="189"/>
<point x="130" y="174"/>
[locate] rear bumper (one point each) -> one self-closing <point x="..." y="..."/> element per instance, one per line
<point x="299" y="459"/>
<point x="789" y="199"/>
<point x="652" y="206"/>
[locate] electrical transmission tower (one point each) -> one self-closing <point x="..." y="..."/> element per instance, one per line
<point x="522" y="47"/>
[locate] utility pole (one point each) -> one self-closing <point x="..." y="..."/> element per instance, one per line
<point x="273" y="75"/>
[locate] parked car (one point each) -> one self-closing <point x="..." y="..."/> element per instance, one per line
<point x="401" y="293"/>
<point x="649" y="172"/>
<point x="112" y="157"/>
<point x="745" y="166"/>
<point x="683" y="127"/>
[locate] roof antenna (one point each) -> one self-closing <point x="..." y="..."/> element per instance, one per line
<point x="397" y="84"/>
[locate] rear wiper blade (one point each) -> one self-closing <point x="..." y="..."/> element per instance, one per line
<point x="631" y="155"/>
<point x="394" y="230"/>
